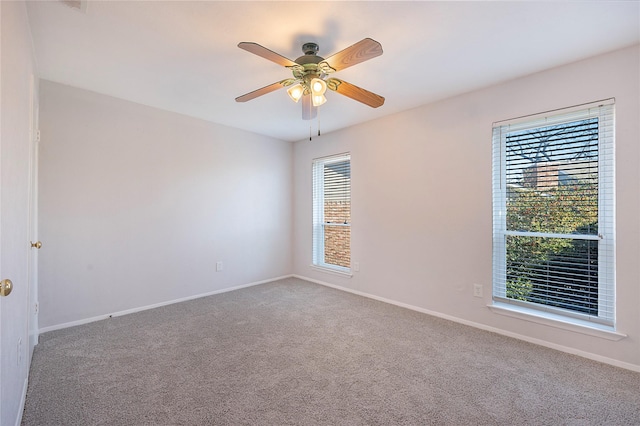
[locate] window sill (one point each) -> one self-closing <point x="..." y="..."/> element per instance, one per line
<point x="346" y="273"/>
<point x="557" y="321"/>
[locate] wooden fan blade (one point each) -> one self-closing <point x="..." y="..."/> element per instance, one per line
<point x="262" y="91"/>
<point x="354" y="92"/>
<point x="256" y="49"/>
<point x="361" y="51"/>
<point x="309" y="112"/>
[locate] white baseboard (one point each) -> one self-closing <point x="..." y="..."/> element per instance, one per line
<point x="155" y="305"/>
<point x="583" y="354"/>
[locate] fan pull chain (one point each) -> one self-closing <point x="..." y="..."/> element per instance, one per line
<point x="311" y="125"/>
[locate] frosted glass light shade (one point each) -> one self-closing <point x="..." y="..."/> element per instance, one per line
<point x="295" y="92"/>
<point x="318" y="87"/>
<point x="318" y="100"/>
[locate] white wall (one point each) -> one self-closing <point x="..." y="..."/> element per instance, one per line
<point x="138" y="204"/>
<point x="421" y="200"/>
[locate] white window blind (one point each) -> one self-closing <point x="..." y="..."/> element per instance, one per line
<point x="332" y="212"/>
<point x="553" y="210"/>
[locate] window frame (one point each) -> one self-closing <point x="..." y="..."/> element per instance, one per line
<point x="318" y="213"/>
<point x="606" y="214"/>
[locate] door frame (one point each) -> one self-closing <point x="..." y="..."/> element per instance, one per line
<point x="34" y="139"/>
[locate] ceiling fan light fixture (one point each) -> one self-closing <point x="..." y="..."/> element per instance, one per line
<point x="295" y="92"/>
<point x="318" y="100"/>
<point x="318" y="87"/>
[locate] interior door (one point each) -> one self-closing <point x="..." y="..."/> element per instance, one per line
<point x="14" y="254"/>
<point x="15" y="102"/>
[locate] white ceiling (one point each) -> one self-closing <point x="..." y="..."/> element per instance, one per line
<point x="182" y="56"/>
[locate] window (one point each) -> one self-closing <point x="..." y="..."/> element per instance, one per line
<point x="332" y="212"/>
<point x="553" y="213"/>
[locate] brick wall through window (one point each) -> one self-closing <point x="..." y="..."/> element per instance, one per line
<point x="337" y="239"/>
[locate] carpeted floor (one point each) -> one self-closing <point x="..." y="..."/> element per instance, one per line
<point x="296" y="353"/>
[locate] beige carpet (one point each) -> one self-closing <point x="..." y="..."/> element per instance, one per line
<point x="296" y="353"/>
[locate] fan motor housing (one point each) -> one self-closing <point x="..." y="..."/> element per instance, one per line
<point x="309" y="59"/>
<point x="310" y="56"/>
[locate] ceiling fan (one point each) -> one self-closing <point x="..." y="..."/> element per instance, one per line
<point x="311" y="75"/>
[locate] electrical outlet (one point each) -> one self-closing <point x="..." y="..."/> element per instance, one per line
<point x="477" y="290"/>
<point x="356" y="266"/>
<point x="219" y="266"/>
